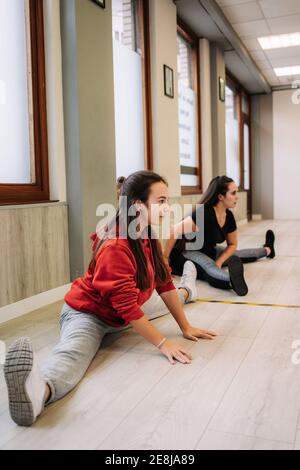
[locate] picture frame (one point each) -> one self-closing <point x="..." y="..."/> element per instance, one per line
<point x="100" y="3"/>
<point x="221" y="89"/>
<point x="168" y="81"/>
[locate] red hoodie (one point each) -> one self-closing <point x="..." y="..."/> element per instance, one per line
<point x="110" y="292"/>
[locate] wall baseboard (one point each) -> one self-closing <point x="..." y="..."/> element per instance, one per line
<point x="256" y="217"/>
<point x="18" y="309"/>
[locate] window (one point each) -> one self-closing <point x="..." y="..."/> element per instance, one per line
<point x="245" y="125"/>
<point x="124" y="27"/>
<point x="238" y="157"/>
<point x="23" y="126"/>
<point x="189" y="111"/>
<point x="233" y="166"/>
<point x="132" y="85"/>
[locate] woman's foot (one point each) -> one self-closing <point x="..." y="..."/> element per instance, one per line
<point x="236" y="273"/>
<point x="26" y="388"/>
<point x="188" y="281"/>
<point x="269" y="243"/>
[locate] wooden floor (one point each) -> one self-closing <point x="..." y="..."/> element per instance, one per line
<point x="241" y="391"/>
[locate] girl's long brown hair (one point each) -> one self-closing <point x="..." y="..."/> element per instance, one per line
<point x="136" y="187"/>
<point x="218" y="186"/>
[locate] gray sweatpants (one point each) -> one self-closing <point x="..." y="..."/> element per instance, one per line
<point x="80" y="338"/>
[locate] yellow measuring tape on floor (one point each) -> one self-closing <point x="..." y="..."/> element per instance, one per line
<point x="256" y="304"/>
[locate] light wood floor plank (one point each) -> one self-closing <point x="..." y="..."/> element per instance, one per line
<point x="183" y="402"/>
<point x="214" y="440"/>
<point x="297" y="441"/>
<point x="263" y="401"/>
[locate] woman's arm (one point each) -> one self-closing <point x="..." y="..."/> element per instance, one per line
<point x="173" y="304"/>
<point x="171" y="350"/>
<point x="187" y="225"/>
<point x="230" y="250"/>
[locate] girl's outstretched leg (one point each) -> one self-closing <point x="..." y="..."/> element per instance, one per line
<point x="81" y="336"/>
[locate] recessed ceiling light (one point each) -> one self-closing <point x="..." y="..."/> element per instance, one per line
<point x="287" y="71"/>
<point x="278" y="41"/>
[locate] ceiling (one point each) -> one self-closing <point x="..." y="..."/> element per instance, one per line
<point x="254" y="18"/>
<point x="247" y="19"/>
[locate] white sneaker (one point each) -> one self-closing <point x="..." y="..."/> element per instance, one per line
<point x="188" y="281"/>
<point x="26" y="387"/>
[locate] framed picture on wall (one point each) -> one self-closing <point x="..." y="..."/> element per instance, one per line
<point x="100" y="3"/>
<point x="168" y="81"/>
<point x="221" y="89"/>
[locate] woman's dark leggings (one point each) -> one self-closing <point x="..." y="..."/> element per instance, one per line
<point x="216" y="277"/>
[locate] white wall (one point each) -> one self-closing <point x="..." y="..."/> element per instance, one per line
<point x="206" y="123"/>
<point x="163" y="38"/>
<point x="55" y="116"/>
<point x="262" y="156"/>
<point x="88" y="91"/>
<point x="217" y="69"/>
<point x="286" y="125"/>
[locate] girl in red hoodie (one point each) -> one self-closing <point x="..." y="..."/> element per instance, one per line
<point x="127" y="266"/>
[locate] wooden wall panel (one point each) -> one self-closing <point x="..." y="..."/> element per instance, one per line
<point x="34" y="251"/>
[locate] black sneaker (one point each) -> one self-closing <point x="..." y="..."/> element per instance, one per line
<point x="236" y="273"/>
<point x="270" y="240"/>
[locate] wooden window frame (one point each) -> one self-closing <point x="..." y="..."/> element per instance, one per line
<point x="243" y="118"/>
<point x="188" y="35"/>
<point x="38" y="191"/>
<point x="143" y="31"/>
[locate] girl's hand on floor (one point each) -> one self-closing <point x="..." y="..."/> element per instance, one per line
<point x="174" y="352"/>
<point x="193" y="333"/>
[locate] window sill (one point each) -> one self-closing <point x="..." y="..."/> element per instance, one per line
<point x="190" y="191"/>
<point x="26" y="205"/>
